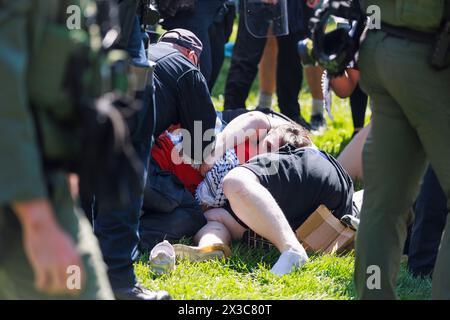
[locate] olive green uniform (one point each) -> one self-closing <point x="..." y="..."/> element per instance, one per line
<point x="410" y="126"/>
<point x="21" y="174"/>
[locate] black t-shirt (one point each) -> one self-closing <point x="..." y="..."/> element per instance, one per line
<point x="181" y="94"/>
<point x="304" y="179"/>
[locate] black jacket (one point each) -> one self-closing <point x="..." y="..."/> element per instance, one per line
<point x="181" y="94"/>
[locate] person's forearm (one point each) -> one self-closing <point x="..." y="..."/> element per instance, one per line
<point x="50" y="251"/>
<point x="343" y="86"/>
<point x="246" y="126"/>
<point x="34" y="214"/>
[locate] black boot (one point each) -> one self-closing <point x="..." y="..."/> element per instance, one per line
<point x="317" y="122"/>
<point x="139" y="293"/>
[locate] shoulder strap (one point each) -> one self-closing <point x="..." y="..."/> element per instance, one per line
<point x="447" y="10"/>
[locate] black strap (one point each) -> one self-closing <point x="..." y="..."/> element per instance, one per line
<point x="447" y="11"/>
<point x="408" y="34"/>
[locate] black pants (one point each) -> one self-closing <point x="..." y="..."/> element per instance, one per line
<point x="247" y="54"/>
<point x="358" y="104"/>
<point x="430" y="217"/>
<point x="115" y="225"/>
<point x="198" y="21"/>
<point x="219" y="34"/>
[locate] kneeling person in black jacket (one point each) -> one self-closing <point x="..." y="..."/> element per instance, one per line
<point x="181" y="92"/>
<point x="181" y="97"/>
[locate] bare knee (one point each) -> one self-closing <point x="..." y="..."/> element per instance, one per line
<point x="213" y="232"/>
<point x="216" y="214"/>
<point x="223" y="217"/>
<point x="217" y="226"/>
<point x="237" y="182"/>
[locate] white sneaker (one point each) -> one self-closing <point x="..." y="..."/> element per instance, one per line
<point x="162" y="258"/>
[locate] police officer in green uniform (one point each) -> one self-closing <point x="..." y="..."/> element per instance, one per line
<point x="44" y="239"/>
<point x="47" y="247"/>
<point x="405" y="70"/>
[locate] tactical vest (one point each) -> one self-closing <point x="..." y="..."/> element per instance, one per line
<point x="67" y="69"/>
<point x="79" y="89"/>
<point x="420" y="15"/>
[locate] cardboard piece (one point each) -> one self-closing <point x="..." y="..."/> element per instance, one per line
<point x="323" y="232"/>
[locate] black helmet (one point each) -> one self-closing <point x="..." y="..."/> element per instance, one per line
<point x="336" y="49"/>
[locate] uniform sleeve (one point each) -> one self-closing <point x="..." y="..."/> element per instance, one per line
<point x="197" y="113"/>
<point x="21" y="176"/>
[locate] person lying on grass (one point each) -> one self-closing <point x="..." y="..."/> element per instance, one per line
<point x="175" y="185"/>
<point x="241" y="132"/>
<point x="272" y="193"/>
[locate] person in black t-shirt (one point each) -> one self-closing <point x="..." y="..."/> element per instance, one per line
<point x="272" y="194"/>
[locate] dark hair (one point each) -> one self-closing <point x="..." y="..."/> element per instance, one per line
<point x="293" y="134"/>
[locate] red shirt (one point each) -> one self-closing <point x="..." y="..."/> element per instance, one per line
<point x="190" y="177"/>
<point x="162" y="154"/>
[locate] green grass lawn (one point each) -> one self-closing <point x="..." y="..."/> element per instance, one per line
<point x="245" y="275"/>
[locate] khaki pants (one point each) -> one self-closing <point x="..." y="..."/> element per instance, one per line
<point x="410" y="126"/>
<point x="16" y="275"/>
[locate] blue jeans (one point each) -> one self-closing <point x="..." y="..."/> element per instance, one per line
<point x="117" y="232"/>
<point x="117" y="229"/>
<point x="430" y="217"/>
<point x="135" y="47"/>
<point x="199" y="21"/>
